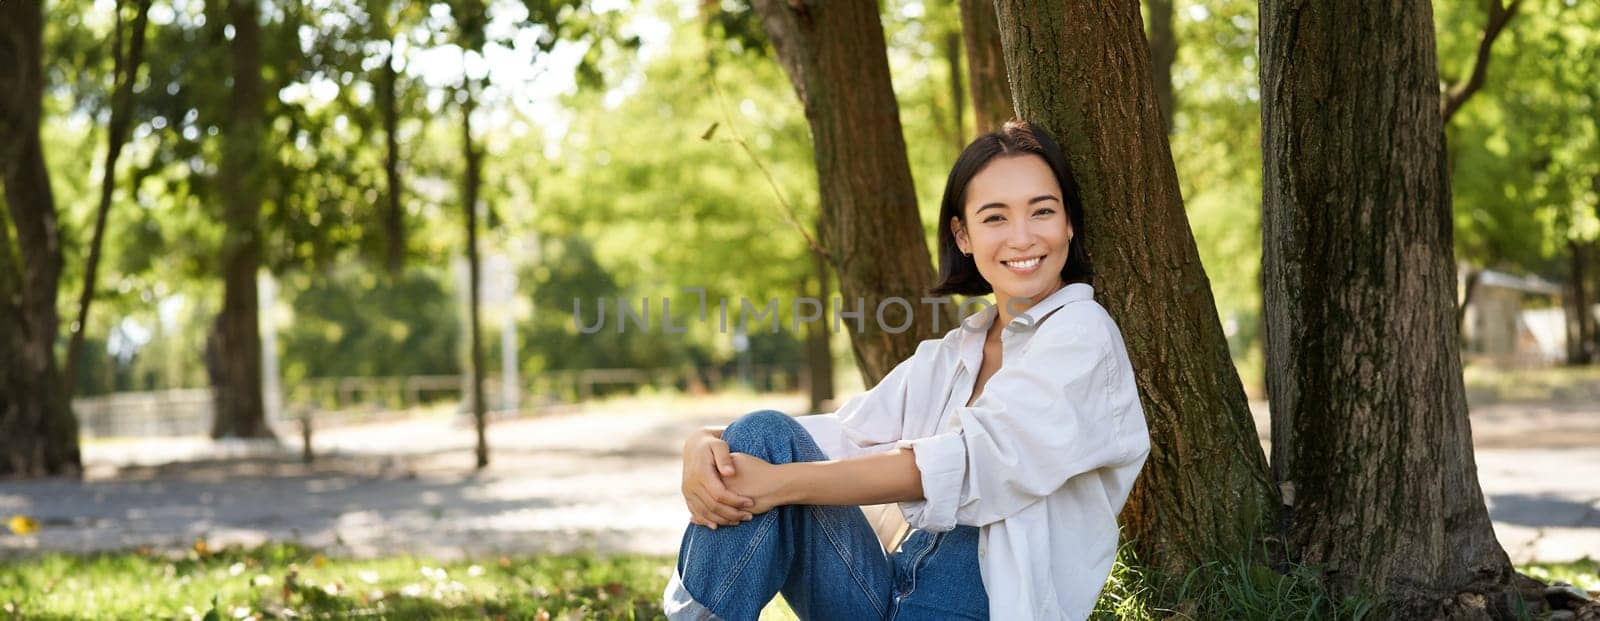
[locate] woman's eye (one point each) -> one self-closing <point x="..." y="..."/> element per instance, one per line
<point x="1045" y="211"/>
<point x="993" y="219"/>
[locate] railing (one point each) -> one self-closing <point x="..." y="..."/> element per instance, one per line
<point x="339" y="401"/>
<point x="176" y="412"/>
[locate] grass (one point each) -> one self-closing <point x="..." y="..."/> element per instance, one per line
<point x="1487" y="384"/>
<point x="1246" y="590"/>
<point x="285" y="581"/>
<point x="282" y="581"/>
<point x="1238" y="589"/>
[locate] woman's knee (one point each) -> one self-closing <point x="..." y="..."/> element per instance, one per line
<point x="753" y="432"/>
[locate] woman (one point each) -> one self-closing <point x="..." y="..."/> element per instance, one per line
<point x="1011" y="443"/>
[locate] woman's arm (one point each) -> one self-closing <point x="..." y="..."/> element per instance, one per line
<point x="878" y="478"/>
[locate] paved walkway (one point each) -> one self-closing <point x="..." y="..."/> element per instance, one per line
<point x="605" y="480"/>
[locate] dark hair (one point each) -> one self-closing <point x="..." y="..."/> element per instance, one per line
<point x="958" y="273"/>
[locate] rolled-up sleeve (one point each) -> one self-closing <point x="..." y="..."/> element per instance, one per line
<point x="1041" y="420"/>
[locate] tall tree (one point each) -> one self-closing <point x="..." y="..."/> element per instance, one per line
<point x="234" y="351"/>
<point x="1204" y="490"/>
<point x="125" y="71"/>
<point x="472" y="181"/>
<point x="1578" y="300"/>
<point x="387" y="82"/>
<point x="952" y="58"/>
<point x="38" y="434"/>
<point x="1369" y="416"/>
<point x="986" y="66"/>
<point x="819" y="352"/>
<point x="471" y="20"/>
<point x="835" y="57"/>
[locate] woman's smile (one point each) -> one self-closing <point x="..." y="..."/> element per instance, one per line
<point x="1024" y="267"/>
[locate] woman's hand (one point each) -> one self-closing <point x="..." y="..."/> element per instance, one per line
<point x="706" y="462"/>
<point x="758" y="480"/>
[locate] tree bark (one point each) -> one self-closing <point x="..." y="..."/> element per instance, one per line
<point x="235" y="348"/>
<point x="1082" y="70"/>
<point x="834" y="55"/>
<point x="38" y="433"/>
<point x="125" y="72"/>
<point x="1163" y="52"/>
<point x="986" y="66"/>
<point x="469" y="192"/>
<point x="1369" y="415"/>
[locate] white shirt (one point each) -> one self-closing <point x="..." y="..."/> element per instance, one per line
<point x="1042" y="461"/>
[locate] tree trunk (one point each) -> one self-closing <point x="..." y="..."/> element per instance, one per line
<point x="125" y="72"/>
<point x="1580" y="322"/>
<point x="1593" y="260"/>
<point x="952" y="57"/>
<point x="38" y="434"/>
<point x="819" y="353"/>
<point x="1468" y="289"/>
<point x="834" y="55"/>
<point x="986" y="66"/>
<point x="235" y="347"/>
<point x="394" y="226"/>
<point x="469" y="194"/>
<point x="1163" y="52"/>
<point x="1204" y="491"/>
<point x="1369" y="415"/>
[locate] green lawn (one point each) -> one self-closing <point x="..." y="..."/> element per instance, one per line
<point x="290" y="582"/>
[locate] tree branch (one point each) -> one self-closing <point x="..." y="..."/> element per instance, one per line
<point x="1500" y="13"/>
<point x="125" y="73"/>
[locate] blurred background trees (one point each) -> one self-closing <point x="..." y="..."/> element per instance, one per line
<point x="641" y="136"/>
<point x="311" y="192"/>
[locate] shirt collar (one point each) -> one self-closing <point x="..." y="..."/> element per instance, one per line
<point x="978" y="323"/>
<point x="1073" y="292"/>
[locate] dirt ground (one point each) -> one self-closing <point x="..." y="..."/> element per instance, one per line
<point x="602" y="480"/>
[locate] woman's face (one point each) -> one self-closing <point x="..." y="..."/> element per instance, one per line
<point x="1017" y="228"/>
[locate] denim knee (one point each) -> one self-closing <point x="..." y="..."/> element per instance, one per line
<point x="752" y="433"/>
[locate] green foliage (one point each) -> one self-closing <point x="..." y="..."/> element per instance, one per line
<point x="341" y="317"/>
<point x="1216" y="148"/>
<point x="618" y="172"/>
<point x="1526" y="149"/>
<point x="569" y="275"/>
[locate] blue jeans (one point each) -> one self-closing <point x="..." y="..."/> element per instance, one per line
<point x="826" y="560"/>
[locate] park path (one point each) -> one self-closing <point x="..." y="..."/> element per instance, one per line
<point x="601" y="480"/>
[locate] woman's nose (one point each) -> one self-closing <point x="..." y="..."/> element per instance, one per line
<point x="1020" y="236"/>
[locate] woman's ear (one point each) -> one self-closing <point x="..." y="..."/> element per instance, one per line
<point x="960" y="233"/>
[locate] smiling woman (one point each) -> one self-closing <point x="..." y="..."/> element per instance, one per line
<point x="1012" y="474"/>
